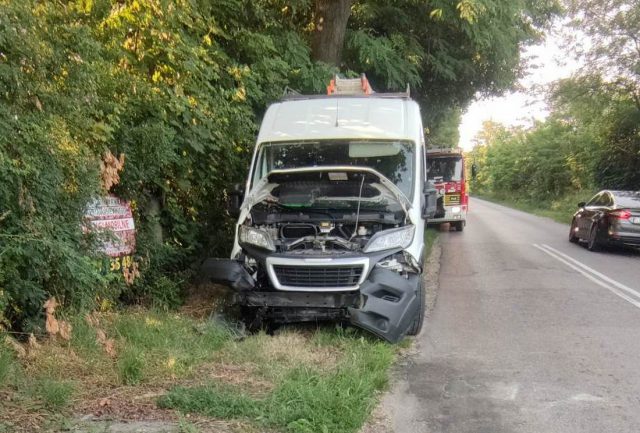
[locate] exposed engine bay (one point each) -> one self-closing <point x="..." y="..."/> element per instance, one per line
<point x="309" y="233"/>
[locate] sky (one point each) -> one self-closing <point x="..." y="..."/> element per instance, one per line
<point x="547" y="62"/>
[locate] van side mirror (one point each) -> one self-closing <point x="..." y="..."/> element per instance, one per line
<point x="430" y="200"/>
<point x="582" y="204"/>
<point x="236" y="197"/>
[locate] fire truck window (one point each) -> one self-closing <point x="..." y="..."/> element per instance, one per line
<point x="449" y="169"/>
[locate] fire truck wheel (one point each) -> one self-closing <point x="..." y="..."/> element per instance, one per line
<point x="459" y="226"/>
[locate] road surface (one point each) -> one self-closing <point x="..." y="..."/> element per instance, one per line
<point x="530" y="333"/>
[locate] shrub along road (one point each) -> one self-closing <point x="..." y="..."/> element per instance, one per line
<point x="529" y="334"/>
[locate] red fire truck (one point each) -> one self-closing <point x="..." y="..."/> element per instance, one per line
<point x="445" y="168"/>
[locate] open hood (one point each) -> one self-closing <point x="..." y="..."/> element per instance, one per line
<point x="368" y="183"/>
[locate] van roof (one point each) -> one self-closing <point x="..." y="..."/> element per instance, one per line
<point x="341" y="117"/>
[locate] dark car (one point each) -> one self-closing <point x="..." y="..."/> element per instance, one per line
<point x="609" y="218"/>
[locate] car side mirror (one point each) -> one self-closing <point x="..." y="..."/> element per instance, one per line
<point x="582" y="204"/>
<point x="430" y="200"/>
<point x="236" y="197"/>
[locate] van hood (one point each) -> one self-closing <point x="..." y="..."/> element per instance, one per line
<point x="327" y="183"/>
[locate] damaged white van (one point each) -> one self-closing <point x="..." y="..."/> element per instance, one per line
<point x="331" y="223"/>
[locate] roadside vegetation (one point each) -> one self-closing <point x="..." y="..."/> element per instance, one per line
<point x="140" y="364"/>
<point x="590" y="140"/>
<point x="158" y="103"/>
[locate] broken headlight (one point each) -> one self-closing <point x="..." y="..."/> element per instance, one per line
<point x="256" y="237"/>
<point x="400" y="237"/>
<point x="402" y="262"/>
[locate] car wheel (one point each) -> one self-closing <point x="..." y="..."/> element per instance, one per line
<point x="572" y="233"/>
<point x="593" y="244"/>
<point x="416" y="326"/>
<point x="459" y="226"/>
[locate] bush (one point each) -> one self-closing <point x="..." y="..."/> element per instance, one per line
<point x="158" y="82"/>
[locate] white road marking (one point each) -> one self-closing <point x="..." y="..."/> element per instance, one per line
<point x="591" y="277"/>
<point x="586" y="397"/>
<point x="596" y="273"/>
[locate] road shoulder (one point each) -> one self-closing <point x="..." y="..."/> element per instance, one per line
<point x="393" y="413"/>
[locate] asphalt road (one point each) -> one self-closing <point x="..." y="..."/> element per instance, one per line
<point x="529" y="333"/>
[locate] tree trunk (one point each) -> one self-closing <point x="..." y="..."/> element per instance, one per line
<point x="330" y="21"/>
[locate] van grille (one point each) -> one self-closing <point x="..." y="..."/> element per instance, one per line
<point x="318" y="276"/>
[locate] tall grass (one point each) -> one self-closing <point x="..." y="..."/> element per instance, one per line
<point x="308" y="398"/>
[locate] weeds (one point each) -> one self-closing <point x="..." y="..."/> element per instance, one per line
<point x="308" y="397"/>
<point x="131" y="366"/>
<point x="7" y="364"/>
<point x="55" y="394"/>
<point x="299" y="380"/>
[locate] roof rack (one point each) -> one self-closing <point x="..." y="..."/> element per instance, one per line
<point x="346" y="88"/>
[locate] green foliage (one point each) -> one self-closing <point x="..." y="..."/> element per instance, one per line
<point x="55" y="394"/>
<point x="156" y="344"/>
<point x="8" y="364"/>
<point x="175" y="87"/>
<point x="306" y="399"/>
<point x="178" y="88"/>
<point x="589" y="142"/>
<point x="131" y="366"/>
<point x="447" y="51"/>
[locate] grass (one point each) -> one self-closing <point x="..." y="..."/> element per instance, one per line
<point x="8" y="365"/>
<point x="324" y="394"/>
<point x="146" y="348"/>
<point x="54" y="394"/>
<point x="300" y="380"/>
<point x="560" y="209"/>
<point x="430" y="236"/>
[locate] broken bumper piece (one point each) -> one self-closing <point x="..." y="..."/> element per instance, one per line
<point x="385" y="305"/>
<point x="390" y="304"/>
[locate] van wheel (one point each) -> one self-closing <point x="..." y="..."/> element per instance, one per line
<point x="416" y="326"/>
<point x="594" y="243"/>
<point x="459" y="226"/>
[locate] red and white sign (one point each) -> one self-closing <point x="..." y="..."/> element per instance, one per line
<point x="114" y="215"/>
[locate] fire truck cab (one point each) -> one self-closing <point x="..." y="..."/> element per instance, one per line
<point x="445" y="168"/>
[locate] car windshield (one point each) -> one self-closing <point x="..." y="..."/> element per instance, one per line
<point x="393" y="159"/>
<point x="449" y="169"/>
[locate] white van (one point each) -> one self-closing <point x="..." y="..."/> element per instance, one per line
<point x="331" y="222"/>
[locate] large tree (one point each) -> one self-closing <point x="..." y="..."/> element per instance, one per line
<point x="329" y="27"/>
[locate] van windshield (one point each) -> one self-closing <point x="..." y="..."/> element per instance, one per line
<point x="444" y="169"/>
<point x="393" y="159"/>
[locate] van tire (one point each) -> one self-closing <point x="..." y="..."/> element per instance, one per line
<point x="416" y="326"/>
<point x="458" y="225"/>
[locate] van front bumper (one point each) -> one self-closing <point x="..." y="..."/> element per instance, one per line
<point x="385" y="303"/>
